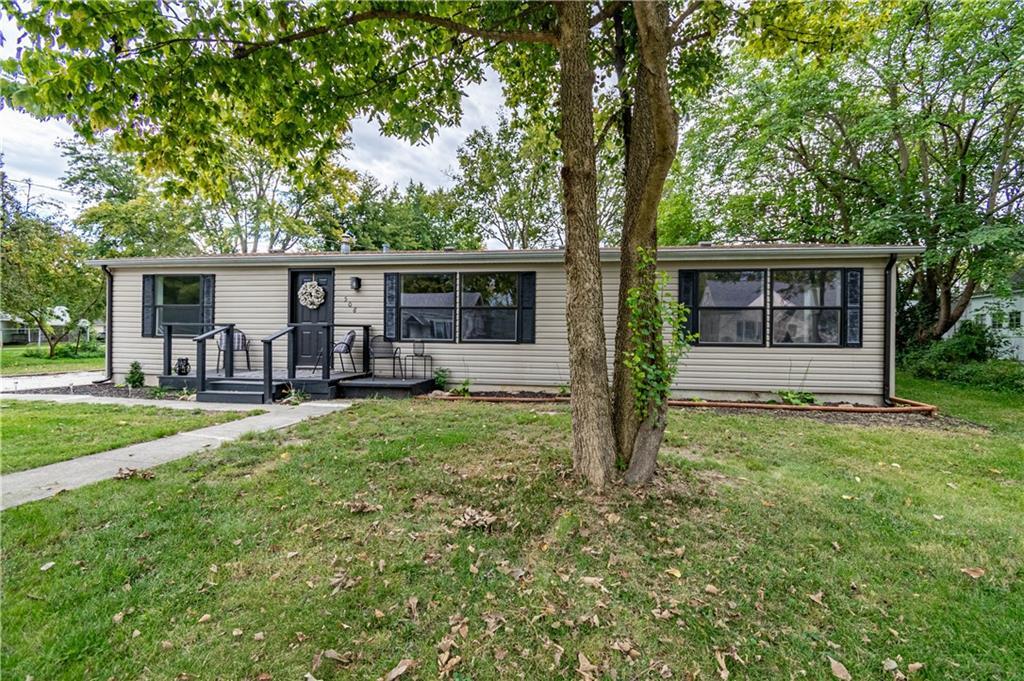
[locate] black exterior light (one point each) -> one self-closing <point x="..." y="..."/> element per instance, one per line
<point x="355" y="283"/>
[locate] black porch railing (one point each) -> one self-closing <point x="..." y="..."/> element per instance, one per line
<point x="327" y="353"/>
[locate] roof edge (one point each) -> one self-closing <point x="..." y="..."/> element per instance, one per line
<point x="669" y="254"/>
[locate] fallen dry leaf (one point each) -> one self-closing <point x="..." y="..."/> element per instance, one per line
<point x="205" y="618"/>
<point x="586" y="668"/>
<point x="839" y="670"/>
<point x="711" y="589"/>
<point x="166" y="645"/>
<point x="46" y="566"/>
<point x="723" y="671"/>
<point x="258" y="636"/>
<point x="915" y="667"/>
<point x="360" y="506"/>
<point x="118" y="618"/>
<point x="973" y="572"/>
<point x="401" y="668"/>
<point x="136" y="633"/>
<point x="817" y="598"/>
<point x="345" y="658"/>
<point x="674" y="572"/>
<point x="236" y="632"/>
<point x="472" y="517"/>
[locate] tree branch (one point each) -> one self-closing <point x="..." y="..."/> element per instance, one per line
<point x="517" y="36"/>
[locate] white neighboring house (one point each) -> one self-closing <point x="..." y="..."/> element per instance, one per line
<point x="1002" y="314"/>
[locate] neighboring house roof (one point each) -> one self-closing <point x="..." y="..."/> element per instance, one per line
<point x="428" y="299"/>
<point x="718" y="293"/>
<point x="668" y="254"/>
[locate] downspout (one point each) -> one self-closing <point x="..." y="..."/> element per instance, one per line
<point x="887" y="338"/>
<point x="109" y="324"/>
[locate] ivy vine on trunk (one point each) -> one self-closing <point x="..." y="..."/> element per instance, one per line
<point x="657" y="326"/>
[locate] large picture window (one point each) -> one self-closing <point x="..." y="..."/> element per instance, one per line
<point x="183" y="300"/>
<point x="727" y="307"/>
<point x="490" y="306"/>
<point x="427" y="307"/>
<point x="807" y="307"/>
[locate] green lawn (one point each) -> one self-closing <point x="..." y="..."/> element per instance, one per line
<point x="769" y="544"/>
<point x="37" y="433"/>
<point x="13" y="362"/>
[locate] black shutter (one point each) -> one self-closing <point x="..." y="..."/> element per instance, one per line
<point x="207" y="286"/>
<point x="853" y="309"/>
<point x="527" y="307"/>
<point x="391" y="305"/>
<point x="688" y="297"/>
<point x="148" y="312"/>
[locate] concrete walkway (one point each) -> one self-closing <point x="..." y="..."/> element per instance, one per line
<point x="8" y="383"/>
<point x="46" y="481"/>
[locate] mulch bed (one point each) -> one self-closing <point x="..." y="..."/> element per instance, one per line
<point x="106" y="390"/>
<point x="893" y="420"/>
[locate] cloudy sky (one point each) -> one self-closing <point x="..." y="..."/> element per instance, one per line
<point x="30" y="152"/>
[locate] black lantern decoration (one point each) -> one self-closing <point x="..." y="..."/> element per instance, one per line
<point x="355" y="283"/>
<point x="182" y="367"/>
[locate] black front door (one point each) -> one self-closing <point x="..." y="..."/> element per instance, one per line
<point x="310" y="340"/>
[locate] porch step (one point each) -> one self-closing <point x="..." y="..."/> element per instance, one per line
<point x="233" y="396"/>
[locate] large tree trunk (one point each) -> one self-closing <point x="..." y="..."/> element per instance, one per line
<point x="593" y="451"/>
<point x="646" y="444"/>
<point x="652" y="141"/>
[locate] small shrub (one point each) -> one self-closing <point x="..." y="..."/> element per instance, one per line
<point x="462" y="390"/>
<point x="563" y="390"/>
<point x="797" y="397"/>
<point x="1004" y="375"/>
<point x="37" y="353"/>
<point x="441" y="378"/>
<point x="135" y="377"/>
<point x="159" y="392"/>
<point x="972" y="342"/>
<point x="969" y="357"/>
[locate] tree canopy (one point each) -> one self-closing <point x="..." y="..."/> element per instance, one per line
<point x="910" y="135"/>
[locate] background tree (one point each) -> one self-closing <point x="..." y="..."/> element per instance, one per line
<point x="124" y="212"/>
<point x="409" y="219"/>
<point x="43" y="269"/>
<point x="913" y="135"/>
<point x="507" y="181"/>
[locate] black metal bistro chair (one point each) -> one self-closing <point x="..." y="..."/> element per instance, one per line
<point x="418" y="355"/>
<point x="341" y="349"/>
<point x="382" y="348"/>
<point x="240" y="343"/>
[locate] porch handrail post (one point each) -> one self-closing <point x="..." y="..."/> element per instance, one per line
<point x="268" y="370"/>
<point x="328" y="351"/>
<point x="229" y="351"/>
<point x="292" y="348"/>
<point x="366" y="349"/>
<point x="168" y="333"/>
<point x="201" y="365"/>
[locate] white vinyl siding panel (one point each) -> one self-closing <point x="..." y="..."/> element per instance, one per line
<point x="255" y="299"/>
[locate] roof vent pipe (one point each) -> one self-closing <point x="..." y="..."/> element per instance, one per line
<point x="385" y="248"/>
<point x="347" y="239"/>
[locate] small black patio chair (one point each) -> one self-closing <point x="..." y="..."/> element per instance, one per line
<point x="382" y="348"/>
<point x="341" y="349"/>
<point x="418" y="355"/>
<point x="240" y="342"/>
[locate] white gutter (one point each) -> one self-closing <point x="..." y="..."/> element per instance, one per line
<point x="670" y="254"/>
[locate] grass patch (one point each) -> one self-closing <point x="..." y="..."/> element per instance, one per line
<point x="38" y="433"/>
<point x="750" y="517"/>
<point x="13" y="362"/>
<point x="1001" y="411"/>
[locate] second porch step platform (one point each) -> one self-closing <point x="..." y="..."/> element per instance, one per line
<point x="232" y="396"/>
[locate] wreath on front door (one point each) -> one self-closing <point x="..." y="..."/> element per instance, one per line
<point x="312" y="295"/>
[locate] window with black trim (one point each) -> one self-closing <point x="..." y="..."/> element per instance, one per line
<point x="1014" y="319"/>
<point x="490" y="306"/>
<point x="727" y="307"/>
<point x="807" y="307"/>
<point x="426" y="307"/>
<point x="184" y="301"/>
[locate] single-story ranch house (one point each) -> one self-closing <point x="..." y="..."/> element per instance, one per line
<point x="811" y="318"/>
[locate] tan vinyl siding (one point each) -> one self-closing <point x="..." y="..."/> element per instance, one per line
<point x="255" y="299"/>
